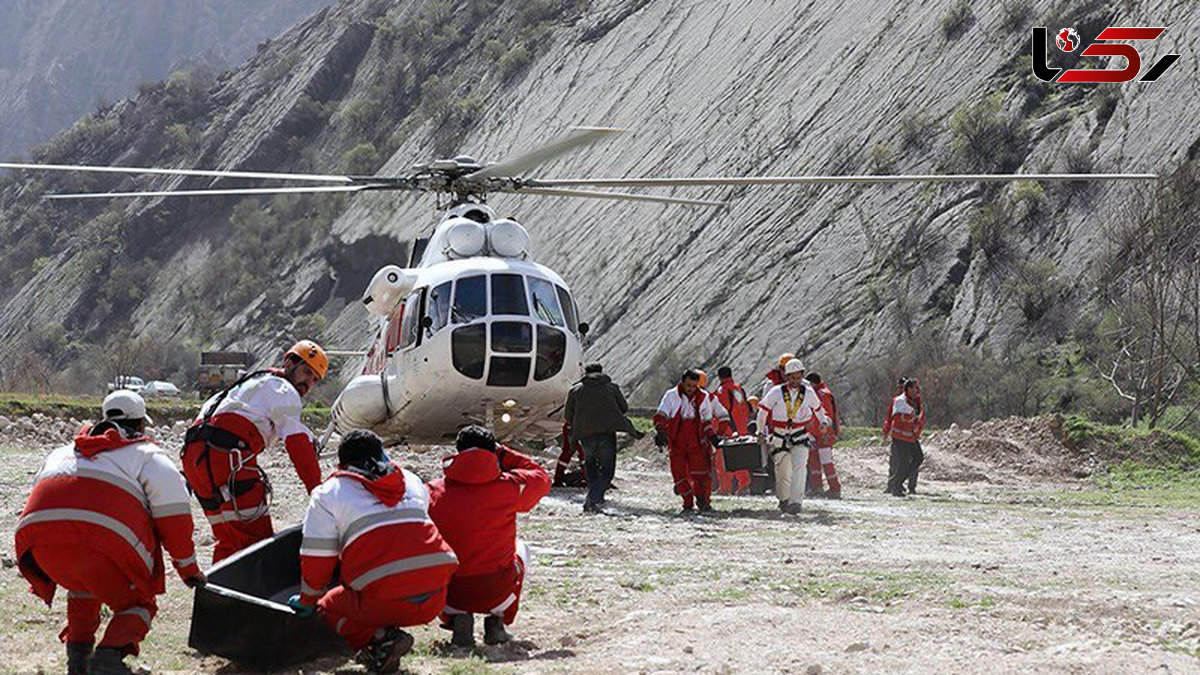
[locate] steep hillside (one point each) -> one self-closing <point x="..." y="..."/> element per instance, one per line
<point x="59" y="57"/>
<point x="707" y="88"/>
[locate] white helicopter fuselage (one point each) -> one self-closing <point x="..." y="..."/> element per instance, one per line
<point x="490" y="339"/>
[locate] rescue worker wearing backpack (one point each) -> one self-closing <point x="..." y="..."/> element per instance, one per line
<point x="220" y="454"/>
<point x="101" y="511"/>
<point x="475" y="508"/>
<point x="368" y="533"/>
<point x="790" y="417"/>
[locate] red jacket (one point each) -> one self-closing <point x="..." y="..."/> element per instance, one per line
<point x="905" y="419"/>
<point x="375" y="533"/>
<point x="687" y="421"/>
<point x="733" y="399"/>
<point x="475" y="506"/>
<point x="119" y="495"/>
<point x="828" y="435"/>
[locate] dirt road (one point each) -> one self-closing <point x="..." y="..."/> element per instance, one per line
<point x="986" y="571"/>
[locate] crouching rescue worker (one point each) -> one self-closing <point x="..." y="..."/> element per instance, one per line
<point x="369" y="524"/>
<point x="220" y="454"/>
<point x="100" y="512"/>
<point x="686" y="424"/>
<point x="475" y="508"/>
<point x="790" y="416"/>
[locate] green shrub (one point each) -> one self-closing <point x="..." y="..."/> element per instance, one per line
<point x="957" y="20"/>
<point x="362" y="114"/>
<point x="989" y="230"/>
<point x="882" y="159"/>
<point x="916" y="131"/>
<point x="984" y="138"/>
<point x="1037" y="287"/>
<point x="514" y="60"/>
<point x="1014" y="13"/>
<point x="361" y="160"/>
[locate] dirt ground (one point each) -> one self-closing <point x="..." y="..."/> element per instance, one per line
<point x="992" y="568"/>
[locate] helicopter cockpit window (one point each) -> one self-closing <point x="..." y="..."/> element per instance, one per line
<point x="438" y="309"/>
<point x="470" y="299"/>
<point x="568" y="307"/>
<point x="410" y="329"/>
<point x="545" y="302"/>
<point x="508" y="294"/>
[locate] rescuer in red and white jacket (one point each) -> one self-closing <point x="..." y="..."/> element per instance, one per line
<point x="100" y="512"/>
<point x="369" y="523"/>
<point x="220" y="456"/>
<point x="732" y="397"/>
<point x="775" y="376"/>
<point x="790" y="416"/>
<point x="475" y="508"/>
<point x="904" y="423"/>
<point x="686" y="423"/>
<point x="820" y="456"/>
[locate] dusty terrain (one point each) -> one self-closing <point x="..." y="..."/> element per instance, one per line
<point x="993" y="568"/>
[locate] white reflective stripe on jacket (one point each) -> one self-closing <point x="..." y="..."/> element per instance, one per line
<point x="342" y="509"/>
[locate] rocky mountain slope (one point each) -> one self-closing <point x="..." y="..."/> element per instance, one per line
<point x="58" y="57"/>
<point x="842" y="274"/>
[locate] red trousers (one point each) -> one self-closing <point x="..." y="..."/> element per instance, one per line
<point x="357" y="615"/>
<point x="818" y="459"/>
<point x="730" y="482"/>
<point x="564" y="460"/>
<point x="92" y="579"/>
<point x="498" y="593"/>
<point x="691" y="468"/>
<point x="233" y="534"/>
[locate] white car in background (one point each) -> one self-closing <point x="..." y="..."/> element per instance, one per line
<point x="130" y="382"/>
<point x="160" y="388"/>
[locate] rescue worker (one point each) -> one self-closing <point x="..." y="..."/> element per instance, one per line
<point x="732" y="398"/>
<point x="220" y="455"/>
<point x="369" y="525"/>
<point x="904" y="423"/>
<point x="475" y="507"/>
<point x="563" y="463"/>
<point x="789" y="418"/>
<point x="820" y="456"/>
<point x="595" y="412"/>
<point x="685" y="423"/>
<point x="775" y="376"/>
<point x="100" y="513"/>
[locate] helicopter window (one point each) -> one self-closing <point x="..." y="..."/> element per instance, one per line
<point x="551" y="352"/>
<point x="468" y="349"/>
<point x="439" y="306"/>
<point x="545" y="302"/>
<point x="410" y="329"/>
<point x="568" y="307"/>
<point x="508" y="294"/>
<point x="513" y="337"/>
<point x="470" y="299"/>
<point x="508" y="371"/>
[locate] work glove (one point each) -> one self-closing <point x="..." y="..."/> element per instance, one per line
<point x="714" y="440"/>
<point x="752" y="428"/>
<point x="660" y="439"/>
<point x="197" y="580"/>
<point x="302" y="610"/>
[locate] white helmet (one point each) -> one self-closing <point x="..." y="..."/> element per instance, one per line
<point x="793" y="366"/>
<point x="124" y="404"/>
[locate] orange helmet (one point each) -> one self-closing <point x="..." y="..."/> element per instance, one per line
<point x="312" y="354"/>
<point x="784" y="358"/>
<point x="703" y="378"/>
<point x="752" y="399"/>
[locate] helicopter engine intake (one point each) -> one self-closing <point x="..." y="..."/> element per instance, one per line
<point x="362" y="404"/>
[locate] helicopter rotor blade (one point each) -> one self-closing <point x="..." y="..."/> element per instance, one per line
<point x="823" y="180"/>
<point x="576" y="137"/>
<point x="231" y="191"/>
<point x="177" y="172"/>
<point x="625" y="196"/>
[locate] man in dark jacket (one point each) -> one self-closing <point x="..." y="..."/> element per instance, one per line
<point x="595" y="412"/>
<point x="475" y="509"/>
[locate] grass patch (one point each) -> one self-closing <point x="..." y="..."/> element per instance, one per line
<point x="87" y="407"/>
<point x="986" y="602"/>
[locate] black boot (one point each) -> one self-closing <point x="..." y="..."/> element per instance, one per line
<point x="78" y="654"/>
<point x="108" y="661"/>
<point x="493" y="631"/>
<point x="383" y="654"/>
<point x="464" y="630"/>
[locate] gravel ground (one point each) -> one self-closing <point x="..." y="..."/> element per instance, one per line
<point x="992" y="569"/>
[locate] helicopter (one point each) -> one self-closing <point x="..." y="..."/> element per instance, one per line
<point x="473" y="329"/>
